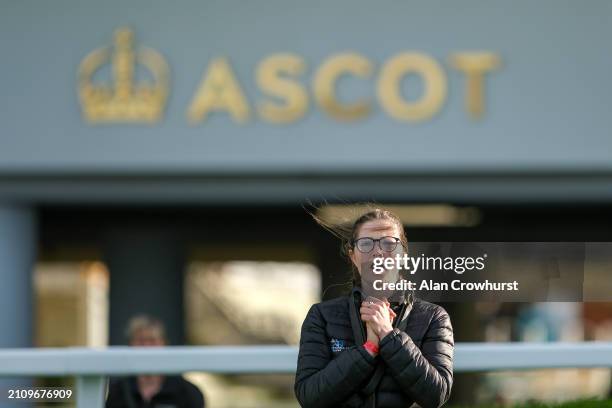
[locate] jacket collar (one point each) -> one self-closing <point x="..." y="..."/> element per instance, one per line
<point x="357" y="325"/>
<point x="406" y="296"/>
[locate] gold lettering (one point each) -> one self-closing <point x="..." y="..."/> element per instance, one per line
<point x="475" y="65"/>
<point x="325" y="85"/>
<point x="269" y="79"/>
<point x="219" y="91"/>
<point x="389" y="87"/>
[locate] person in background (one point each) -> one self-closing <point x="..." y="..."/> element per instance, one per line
<point x="151" y="391"/>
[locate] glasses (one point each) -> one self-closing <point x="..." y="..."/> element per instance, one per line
<point x="366" y="244"/>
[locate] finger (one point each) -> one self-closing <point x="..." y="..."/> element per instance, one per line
<point x="366" y="318"/>
<point x="368" y="314"/>
<point x="370" y="305"/>
<point x="366" y="304"/>
<point x="374" y="315"/>
<point x="373" y="300"/>
<point x="374" y="308"/>
<point x="378" y="308"/>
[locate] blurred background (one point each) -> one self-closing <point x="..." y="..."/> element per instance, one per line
<point x="160" y="157"/>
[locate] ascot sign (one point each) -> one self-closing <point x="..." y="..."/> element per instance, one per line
<point x="284" y="97"/>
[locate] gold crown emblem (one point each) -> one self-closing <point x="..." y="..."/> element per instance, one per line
<point x="124" y="100"/>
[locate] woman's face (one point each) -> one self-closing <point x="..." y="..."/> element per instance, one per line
<point x="374" y="229"/>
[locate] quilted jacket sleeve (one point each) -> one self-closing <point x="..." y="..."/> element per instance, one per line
<point x="426" y="374"/>
<point x="322" y="381"/>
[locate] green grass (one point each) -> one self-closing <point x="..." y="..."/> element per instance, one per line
<point x="590" y="403"/>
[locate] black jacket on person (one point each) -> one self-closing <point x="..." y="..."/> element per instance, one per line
<point x="176" y="392"/>
<point x="414" y="364"/>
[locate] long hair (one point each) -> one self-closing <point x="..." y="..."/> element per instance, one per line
<point x="346" y="223"/>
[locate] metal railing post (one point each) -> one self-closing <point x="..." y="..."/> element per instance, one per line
<point x="90" y="391"/>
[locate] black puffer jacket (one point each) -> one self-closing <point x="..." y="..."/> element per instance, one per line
<point x="415" y="359"/>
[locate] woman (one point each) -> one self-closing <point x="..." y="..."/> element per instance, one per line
<point x="358" y="353"/>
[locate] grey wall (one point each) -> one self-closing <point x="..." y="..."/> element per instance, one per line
<point x="547" y="109"/>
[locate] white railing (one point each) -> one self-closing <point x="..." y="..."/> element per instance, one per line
<point x="91" y="367"/>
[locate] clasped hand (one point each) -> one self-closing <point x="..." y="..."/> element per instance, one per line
<point x="378" y="316"/>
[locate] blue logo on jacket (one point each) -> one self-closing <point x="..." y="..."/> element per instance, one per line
<point x="337" y="345"/>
